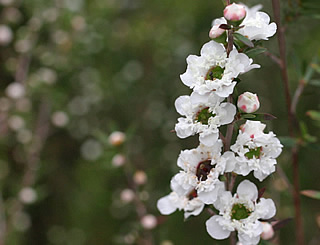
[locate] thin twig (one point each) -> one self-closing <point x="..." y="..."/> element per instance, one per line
<point x="296" y="96"/>
<point x="141" y="209"/>
<point x="3" y="223"/>
<point x="41" y="133"/>
<point x="274" y="58"/>
<point x="291" y="122"/>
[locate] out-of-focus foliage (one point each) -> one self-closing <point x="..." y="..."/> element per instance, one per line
<point x="74" y="71"/>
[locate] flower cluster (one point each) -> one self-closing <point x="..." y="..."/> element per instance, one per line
<point x="208" y="172"/>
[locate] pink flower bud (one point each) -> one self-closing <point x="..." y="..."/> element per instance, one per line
<point x="118" y="160"/>
<point x="140" y="177"/>
<point x="149" y="221"/>
<point x="117" y="138"/>
<point x="248" y="102"/>
<point x="234" y="13"/>
<point x="127" y="195"/>
<point x="216" y="31"/>
<point x="268" y="231"/>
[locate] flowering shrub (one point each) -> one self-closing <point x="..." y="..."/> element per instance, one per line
<point x="209" y="171"/>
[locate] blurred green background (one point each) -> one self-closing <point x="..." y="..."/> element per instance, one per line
<point x="92" y="67"/>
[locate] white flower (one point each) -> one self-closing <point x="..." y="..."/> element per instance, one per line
<point x="255" y="150"/>
<point x="241" y="213"/>
<point x="201" y="170"/>
<point x="188" y="201"/>
<point x="203" y="115"/>
<point x="213" y="71"/>
<point x="248" y="102"/>
<point x="256" y="24"/>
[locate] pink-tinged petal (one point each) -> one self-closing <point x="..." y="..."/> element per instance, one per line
<point x="247" y="190"/>
<point x="215" y="229"/>
<point x="165" y="205"/>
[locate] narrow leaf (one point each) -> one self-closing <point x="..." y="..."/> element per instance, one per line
<point x="315" y="83"/>
<point x="288" y="141"/>
<point x="255" y="51"/>
<point x="281" y="223"/>
<point x="243" y="39"/>
<point x="311" y="193"/>
<point x="315" y="115"/>
<point x="248" y="116"/>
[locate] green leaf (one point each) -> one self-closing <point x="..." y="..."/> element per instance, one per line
<point x="258" y="116"/>
<point x="243" y="39"/>
<point x="248" y="116"/>
<point x="306" y="136"/>
<point x="265" y="117"/>
<point x="288" y="141"/>
<point x="315" y="115"/>
<point x="255" y="51"/>
<point x="311" y="193"/>
<point x="281" y="223"/>
<point x="315" y="83"/>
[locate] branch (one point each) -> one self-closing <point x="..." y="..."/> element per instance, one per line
<point x="292" y="121"/>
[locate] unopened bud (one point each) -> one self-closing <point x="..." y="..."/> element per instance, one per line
<point x="5" y="35"/>
<point x="248" y="102"/>
<point x="27" y="195"/>
<point x="15" y="90"/>
<point x="117" y="138"/>
<point x="140" y="177"/>
<point x="149" y="221"/>
<point x="218" y="34"/>
<point x="234" y="13"/>
<point x="268" y="231"/>
<point x="127" y="195"/>
<point x="118" y="160"/>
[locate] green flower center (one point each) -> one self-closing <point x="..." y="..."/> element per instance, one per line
<point x="214" y="73"/>
<point x="204" y="115"/>
<point x="254" y="153"/>
<point x="203" y="170"/>
<point x="239" y="211"/>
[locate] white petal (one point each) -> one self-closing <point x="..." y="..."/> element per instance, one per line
<point x="266" y="208"/>
<point x="196" y="209"/>
<point x="230" y="161"/>
<point x="247" y="190"/>
<point x="215" y="229"/>
<point x="212" y="47"/>
<point x="211" y="196"/>
<point x="208" y="139"/>
<point x="165" y="206"/>
<point x="180" y="103"/>
<point x="229" y="112"/>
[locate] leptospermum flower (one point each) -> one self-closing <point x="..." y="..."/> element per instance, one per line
<point x="203" y="115"/>
<point x="202" y="168"/>
<point x="248" y="102"/>
<point x="241" y="213"/>
<point x="256" y="151"/>
<point x="213" y="71"/>
<point x="256" y="24"/>
<point x="181" y="199"/>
